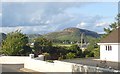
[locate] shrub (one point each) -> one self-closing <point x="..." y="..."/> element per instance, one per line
<point x="70" y="55"/>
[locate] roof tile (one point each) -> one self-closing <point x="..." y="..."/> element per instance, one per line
<point x="113" y="37"/>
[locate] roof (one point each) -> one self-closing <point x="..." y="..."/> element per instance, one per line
<point x="113" y="37"/>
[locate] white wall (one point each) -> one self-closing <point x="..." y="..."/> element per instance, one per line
<point x="13" y="59"/>
<point x="60" y="66"/>
<point x="119" y="53"/>
<point x="44" y="66"/>
<point x="57" y="66"/>
<point x="17" y="59"/>
<point x="109" y="55"/>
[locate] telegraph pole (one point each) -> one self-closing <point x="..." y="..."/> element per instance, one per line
<point x="81" y="40"/>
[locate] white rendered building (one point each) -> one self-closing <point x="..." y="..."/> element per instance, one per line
<point x="109" y="47"/>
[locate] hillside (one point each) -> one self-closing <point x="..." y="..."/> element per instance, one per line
<point x="71" y="34"/>
<point x="32" y="36"/>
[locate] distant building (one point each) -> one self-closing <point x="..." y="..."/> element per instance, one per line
<point x="32" y="45"/>
<point x="109" y="47"/>
<point x="84" y="46"/>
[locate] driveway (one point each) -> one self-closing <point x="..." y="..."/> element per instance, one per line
<point x="15" y="69"/>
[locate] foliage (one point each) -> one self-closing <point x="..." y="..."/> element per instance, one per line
<point x="26" y="50"/>
<point x="51" y="61"/>
<point x="42" y="45"/>
<point x="14" y="43"/>
<point x="113" y="26"/>
<point x="2" y="37"/>
<point x="46" y="55"/>
<point x="60" y="58"/>
<point x="93" y="43"/>
<point x="58" y="52"/>
<point x="75" y="49"/>
<point x="92" y="49"/>
<point x="88" y="53"/>
<point x="96" y="52"/>
<point x="70" y="55"/>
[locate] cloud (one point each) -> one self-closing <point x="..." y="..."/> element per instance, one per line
<point x="60" y="0"/>
<point x="0" y="14"/>
<point x="29" y="29"/>
<point x="30" y="14"/>
<point x="44" y="17"/>
<point x="102" y="24"/>
<point x="0" y="19"/>
<point x="94" y="23"/>
<point x="81" y="25"/>
<point x="87" y="23"/>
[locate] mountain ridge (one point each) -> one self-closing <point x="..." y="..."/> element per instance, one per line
<point x="72" y="34"/>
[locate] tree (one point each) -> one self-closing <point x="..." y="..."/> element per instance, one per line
<point x="92" y="49"/>
<point x="114" y="25"/>
<point x="42" y="45"/>
<point x="96" y="52"/>
<point x="26" y="50"/>
<point x="14" y="43"/>
<point x="75" y="49"/>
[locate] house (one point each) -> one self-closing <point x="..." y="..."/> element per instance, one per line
<point x="109" y="47"/>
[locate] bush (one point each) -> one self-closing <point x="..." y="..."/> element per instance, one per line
<point x="51" y="61"/>
<point x="70" y="55"/>
<point x="88" y="53"/>
<point x="96" y="52"/>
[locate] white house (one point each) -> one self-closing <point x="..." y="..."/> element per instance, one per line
<point x="109" y="47"/>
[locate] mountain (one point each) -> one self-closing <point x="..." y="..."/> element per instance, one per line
<point x="71" y="34"/>
<point x="32" y="36"/>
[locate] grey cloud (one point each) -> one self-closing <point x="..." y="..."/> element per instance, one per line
<point x="20" y="14"/>
<point x="44" y="17"/>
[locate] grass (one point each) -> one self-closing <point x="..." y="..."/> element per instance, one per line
<point x="66" y="45"/>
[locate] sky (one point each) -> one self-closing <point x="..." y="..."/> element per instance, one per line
<point x="45" y="17"/>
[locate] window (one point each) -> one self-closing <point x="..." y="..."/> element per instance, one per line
<point x="108" y="48"/>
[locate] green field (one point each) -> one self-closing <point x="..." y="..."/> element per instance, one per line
<point x="66" y="45"/>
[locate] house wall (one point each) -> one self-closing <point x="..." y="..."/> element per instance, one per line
<point x="119" y="53"/>
<point x="110" y="55"/>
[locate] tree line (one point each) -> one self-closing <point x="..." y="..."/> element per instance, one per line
<point x="17" y="44"/>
